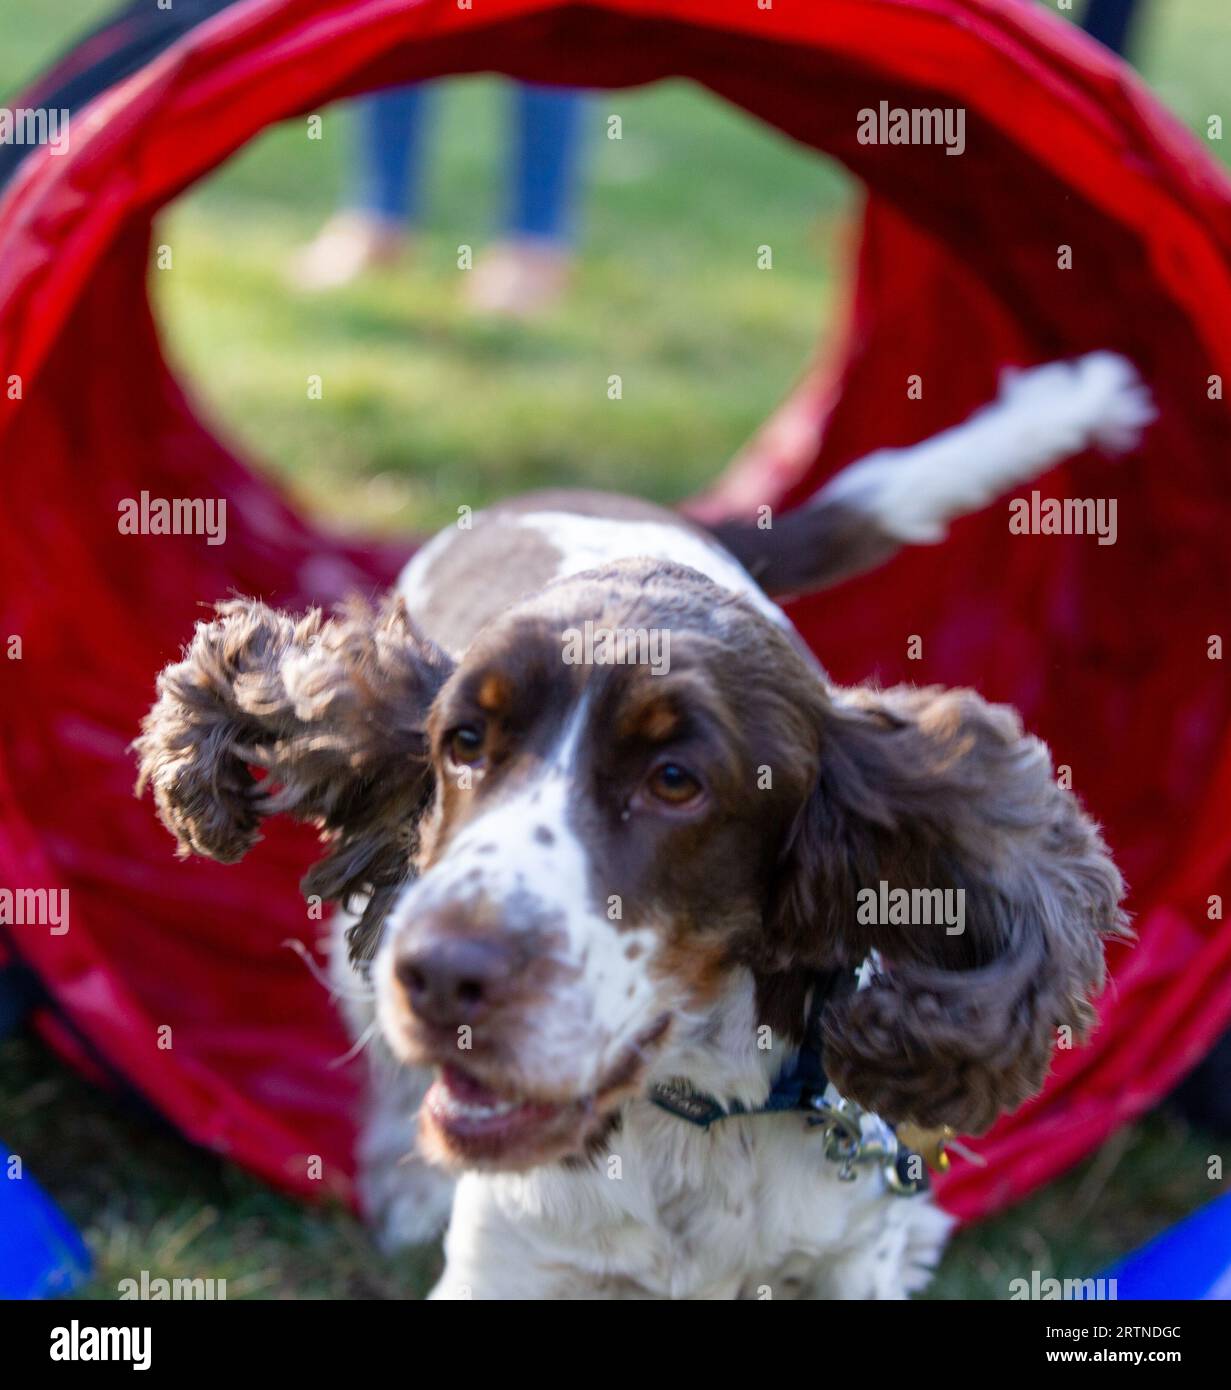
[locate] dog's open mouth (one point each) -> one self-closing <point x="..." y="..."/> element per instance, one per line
<point x="483" y="1125"/>
<point x="466" y="1120"/>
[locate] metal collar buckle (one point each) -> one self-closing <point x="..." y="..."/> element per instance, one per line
<point x="853" y="1138"/>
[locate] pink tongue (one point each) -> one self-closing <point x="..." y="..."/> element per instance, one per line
<point x="464" y="1086"/>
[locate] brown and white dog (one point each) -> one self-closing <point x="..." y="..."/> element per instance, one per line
<point x="604" y="824"/>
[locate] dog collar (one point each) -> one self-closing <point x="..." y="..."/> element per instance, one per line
<point x="851" y="1136"/>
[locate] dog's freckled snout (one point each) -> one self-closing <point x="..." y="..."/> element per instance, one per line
<point x="456" y="980"/>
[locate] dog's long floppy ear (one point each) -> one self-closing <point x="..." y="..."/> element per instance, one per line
<point x="332" y="710"/>
<point x="924" y="789"/>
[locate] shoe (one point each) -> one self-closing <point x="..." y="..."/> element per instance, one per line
<point x="521" y="279"/>
<point x="347" y="246"/>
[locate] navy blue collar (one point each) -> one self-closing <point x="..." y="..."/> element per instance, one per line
<point x="850" y="1136"/>
<point x="800" y="1084"/>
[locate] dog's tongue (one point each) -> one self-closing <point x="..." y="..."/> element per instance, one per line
<point x="468" y="1089"/>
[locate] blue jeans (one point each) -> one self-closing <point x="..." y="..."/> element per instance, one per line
<point x="543" y="163"/>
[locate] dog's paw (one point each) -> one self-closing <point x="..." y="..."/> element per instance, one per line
<point x="403" y="1199"/>
<point x="405" y="1205"/>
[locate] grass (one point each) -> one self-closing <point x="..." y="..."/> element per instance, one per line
<point x="425" y="408"/>
<point x="146" y="1200"/>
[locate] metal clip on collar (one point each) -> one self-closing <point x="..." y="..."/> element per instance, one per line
<point x="852" y="1138"/>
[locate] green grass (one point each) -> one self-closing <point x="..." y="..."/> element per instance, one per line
<point x="146" y="1200"/>
<point x="425" y="408"/>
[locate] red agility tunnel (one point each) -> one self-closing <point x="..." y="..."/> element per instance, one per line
<point x="1106" y="649"/>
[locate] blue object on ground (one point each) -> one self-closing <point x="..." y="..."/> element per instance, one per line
<point x="41" y="1255"/>
<point x="1190" y="1260"/>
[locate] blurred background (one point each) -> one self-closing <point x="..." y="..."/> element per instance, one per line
<point x="432" y="403"/>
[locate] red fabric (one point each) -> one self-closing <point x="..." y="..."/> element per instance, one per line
<point x="1103" y="648"/>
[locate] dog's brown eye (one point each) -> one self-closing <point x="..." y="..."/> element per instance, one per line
<point x="465" y="744"/>
<point x="673" y="784"/>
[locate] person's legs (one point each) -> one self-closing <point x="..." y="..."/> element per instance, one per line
<point x="389" y="157"/>
<point x="529" y="270"/>
<point x="385" y="193"/>
<point x="546" y="161"/>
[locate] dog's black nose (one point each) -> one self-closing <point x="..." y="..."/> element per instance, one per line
<point x="457" y="979"/>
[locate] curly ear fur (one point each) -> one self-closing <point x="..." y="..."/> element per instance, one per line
<point x="932" y="788"/>
<point x="332" y="710"/>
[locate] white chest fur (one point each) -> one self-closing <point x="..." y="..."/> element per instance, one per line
<point x="749" y="1208"/>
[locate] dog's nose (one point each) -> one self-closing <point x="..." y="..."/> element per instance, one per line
<point x="457" y="979"/>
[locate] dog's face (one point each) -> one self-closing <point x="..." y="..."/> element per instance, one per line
<point x="631" y="788"/>
<point x="617" y="765"/>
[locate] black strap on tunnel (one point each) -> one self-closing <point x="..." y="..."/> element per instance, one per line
<point x="115" y="50"/>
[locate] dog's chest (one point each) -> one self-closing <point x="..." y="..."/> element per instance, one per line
<point x="747" y="1209"/>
